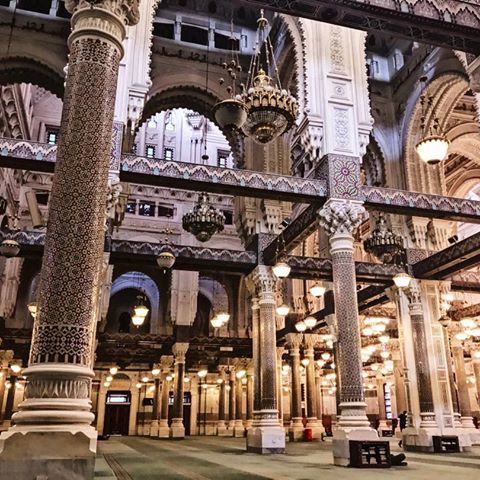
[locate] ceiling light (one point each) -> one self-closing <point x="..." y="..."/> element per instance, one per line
<point x="145" y="379"/>
<point x="9" y="248"/>
<point x="216" y="322"/>
<point x="15" y="368"/>
<point x="155" y="371"/>
<point x="241" y="373"/>
<point x="317" y="290"/>
<point x="113" y="370"/>
<point x="468" y="323"/>
<point x="300" y="326"/>
<point x="433" y="149"/>
<point x="283" y="310"/>
<point x="204" y="220"/>
<point x="166" y="260"/>
<point x="138" y="320"/>
<point x="305" y="362"/>
<point x="310" y="321"/>
<point x="281" y="269"/>
<point x="326" y="356"/>
<point x="462" y="336"/>
<point x="224" y="317"/>
<point x="202" y="373"/>
<point x="402" y="280"/>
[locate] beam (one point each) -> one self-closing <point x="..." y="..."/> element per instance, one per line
<point x="459" y="256"/>
<point x="417" y="24"/>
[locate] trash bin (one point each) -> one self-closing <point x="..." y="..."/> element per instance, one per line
<point x="308" y="435"/>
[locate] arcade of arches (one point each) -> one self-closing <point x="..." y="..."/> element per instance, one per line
<point x="108" y="139"/>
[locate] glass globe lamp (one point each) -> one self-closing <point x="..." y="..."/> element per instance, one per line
<point x="202" y="373"/>
<point x="137" y="320"/>
<point x="402" y="280"/>
<point x="113" y="370"/>
<point x="283" y="310"/>
<point x="300" y="326"/>
<point x="281" y="269"/>
<point x="310" y="321"/>
<point x="317" y="290"/>
<point x="325" y="356"/>
<point x="433" y="149"/>
<point x="224" y="317"/>
<point x="216" y="322"/>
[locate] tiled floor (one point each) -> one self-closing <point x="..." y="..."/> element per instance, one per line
<point x="213" y="458"/>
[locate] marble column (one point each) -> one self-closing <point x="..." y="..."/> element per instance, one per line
<point x="382" y="412"/>
<point x="266" y="434"/>
<point x="177" y="429"/>
<point x="295" y="431"/>
<point x="239" y="429"/>
<point x="156" y="408"/>
<point x="280" y="352"/>
<point x="340" y="219"/>
<point x="57" y="399"/>
<point x="476" y="372"/>
<point x="249" y="420"/>
<point x="399" y="378"/>
<point x="163" y="428"/>
<point x="221" y="426"/>
<point x="231" y="401"/>
<point x="310" y="341"/>
<point x="318" y="387"/>
<point x="463" y="393"/>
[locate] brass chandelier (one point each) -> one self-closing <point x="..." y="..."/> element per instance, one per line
<point x="204" y="220"/>
<point x="271" y="110"/>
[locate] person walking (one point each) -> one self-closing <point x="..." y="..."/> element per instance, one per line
<point x="402" y="420"/>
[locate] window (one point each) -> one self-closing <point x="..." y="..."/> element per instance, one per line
<point x="387" y="395"/>
<point x="150" y="151"/>
<point x="115" y="398"/>
<point x="146" y="209"/>
<point x="225" y="42"/>
<point x="168" y="154"/>
<point x="131" y="207"/>
<point x="164" y="30"/>
<point x="39" y="6"/>
<point x="165" y="211"/>
<point x="196" y="35"/>
<point x="222" y="158"/>
<point x="52" y="136"/>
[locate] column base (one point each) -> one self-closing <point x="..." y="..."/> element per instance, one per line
<point x="154" y="428"/>
<point x="238" y="429"/>
<point x="56" y="452"/>
<point x="248" y="424"/>
<point x="419" y="439"/>
<point x="266" y="435"/>
<point x="222" y="430"/>
<point x="177" y="430"/>
<point x="468" y="427"/>
<point x="163" y="429"/>
<point x="317" y="429"/>
<point x="341" y="442"/>
<point x="383" y="427"/>
<point x="295" y="431"/>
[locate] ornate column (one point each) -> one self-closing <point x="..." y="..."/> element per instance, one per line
<point x="266" y="434"/>
<point x="382" y="412"/>
<point x="476" y="371"/>
<point x="399" y="377"/>
<point x="163" y="428"/>
<point x="295" y="432"/>
<point x="57" y="398"/>
<point x="177" y="429"/>
<point x="231" y="401"/>
<point x="239" y="429"/>
<point x="249" y="422"/>
<point x="221" y="427"/>
<point x="463" y="393"/>
<point x="280" y="352"/>
<point x="156" y="408"/>
<point x="318" y="387"/>
<point x="340" y="218"/>
<point x="310" y="341"/>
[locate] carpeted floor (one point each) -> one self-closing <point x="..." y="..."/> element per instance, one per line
<point x="213" y="458"/>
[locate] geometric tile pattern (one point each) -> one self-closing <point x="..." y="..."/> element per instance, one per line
<point x="67" y="301"/>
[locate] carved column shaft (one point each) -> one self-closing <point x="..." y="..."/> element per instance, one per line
<point x="256" y="354"/>
<point x="280" y="352"/>
<point x="231" y="397"/>
<point x="179" y="351"/>
<point x="61" y="354"/>
<point x="296" y="382"/>
<point x="462" y="385"/>
<point x="340" y="219"/>
<point x="424" y="381"/>
<point x="156" y="400"/>
<point x="165" y="395"/>
<point x="476" y="371"/>
<point x="250" y="399"/>
<point x="238" y="399"/>
<point x="451" y="377"/>
<point x="311" y="393"/>
<point x="221" y="402"/>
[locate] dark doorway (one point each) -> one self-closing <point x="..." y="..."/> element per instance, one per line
<point x="187" y="406"/>
<point x="117" y="413"/>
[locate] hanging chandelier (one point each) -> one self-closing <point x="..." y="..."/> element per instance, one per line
<point x="140" y="309"/>
<point x="271" y="110"/>
<point x="384" y="244"/>
<point x="317" y="290"/>
<point x="433" y="148"/>
<point x="204" y="220"/>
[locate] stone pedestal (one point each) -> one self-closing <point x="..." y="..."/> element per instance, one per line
<point x="266" y="437"/>
<point x="163" y="428"/>
<point x="154" y="428"/>
<point x="177" y="430"/>
<point x="63" y="454"/>
<point x="341" y="445"/>
<point x="238" y="429"/>
<point x="222" y="430"/>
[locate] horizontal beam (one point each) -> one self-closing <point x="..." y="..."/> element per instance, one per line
<point x="459" y="256"/>
<point x="418" y="24"/>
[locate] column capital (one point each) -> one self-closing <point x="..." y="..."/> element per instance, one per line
<point x="280" y="352"/>
<point x="295" y="341"/>
<point x="341" y="217"/>
<point x="311" y="340"/>
<point x="262" y="283"/>
<point x="6" y="356"/>
<point x="414" y="295"/>
<point x="166" y="363"/>
<point x="179" y="350"/>
<point x="126" y="10"/>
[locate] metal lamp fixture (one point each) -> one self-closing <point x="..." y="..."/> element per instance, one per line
<point x="317" y="290"/>
<point x="271" y="109"/>
<point x="300" y="326"/>
<point x="310" y="321"/>
<point x="140" y="310"/>
<point x="216" y="322"/>
<point x="402" y="280"/>
<point x="433" y="148"/>
<point x="384" y="244"/>
<point x="204" y="220"/>
<point x="137" y="320"/>
<point x="283" y="310"/>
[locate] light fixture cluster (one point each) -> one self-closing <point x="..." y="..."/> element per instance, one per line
<point x="470" y="329"/>
<point x="220" y="319"/>
<point x="109" y="378"/>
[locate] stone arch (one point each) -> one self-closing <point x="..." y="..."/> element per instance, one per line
<point x="446" y="90"/>
<point x="465" y="183"/>
<point x="27" y="70"/>
<point x="197" y="99"/>
<point x="145" y="284"/>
